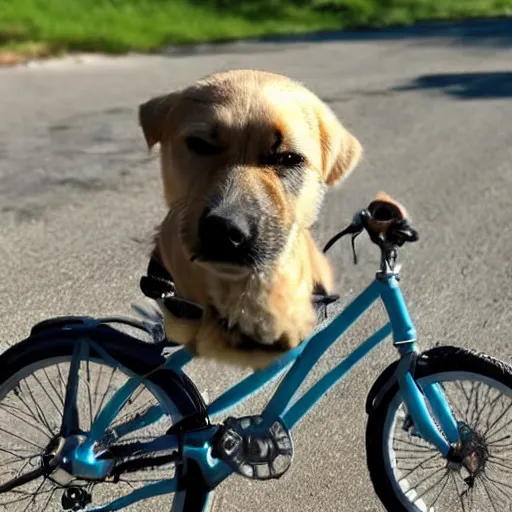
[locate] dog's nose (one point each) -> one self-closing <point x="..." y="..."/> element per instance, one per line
<point x="225" y="236"/>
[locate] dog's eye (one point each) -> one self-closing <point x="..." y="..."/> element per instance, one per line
<point x="289" y="159"/>
<point x="201" y="147"/>
<point x="285" y="159"/>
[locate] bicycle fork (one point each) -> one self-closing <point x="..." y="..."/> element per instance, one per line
<point x="416" y="398"/>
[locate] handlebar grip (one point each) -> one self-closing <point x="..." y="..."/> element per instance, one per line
<point x="384" y="211"/>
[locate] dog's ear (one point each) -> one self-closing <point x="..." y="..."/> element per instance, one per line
<point x="341" y="150"/>
<point x="153" y="115"/>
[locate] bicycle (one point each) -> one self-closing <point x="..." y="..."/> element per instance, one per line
<point x="409" y="413"/>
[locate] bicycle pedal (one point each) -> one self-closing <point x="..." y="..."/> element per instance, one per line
<point x="253" y="450"/>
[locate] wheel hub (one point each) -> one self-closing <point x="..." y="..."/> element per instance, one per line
<point x="471" y="453"/>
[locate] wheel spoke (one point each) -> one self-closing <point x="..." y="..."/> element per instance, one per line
<point x="45" y="391"/>
<point x="499" y="430"/>
<point x="411" y="471"/>
<point x="100" y="407"/>
<point x="22" y="480"/>
<point x="460" y="385"/>
<point x="54" y="387"/>
<point x="488" y="493"/>
<point x="502" y="460"/>
<point x="39" y="411"/>
<point x="486" y="409"/>
<point x="130" y="416"/>
<point x="466" y="415"/>
<point x="422" y="448"/>
<point x="485" y="402"/>
<point x="509" y="486"/>
<point x="18" y="393"/>
<point x="131" y="401"/>
<point x="476" y="409"/>
<point x="16" y="436"/>
<point x="469" y="410"/>
<point x="52" y="492"/>
<point x="20" y="471"/>
<point x="492" y="407"/>
<point x="34" y="496"/>
<point x="499" y="490"/>
<point x="445" y="475"/>
<point x="88" y="385"/>
<point x="14" y="454"/>
<point x="460" y="495"/>
<point x="441" y="491"/>
<point x="62" y="381"/>
<point x="54" y="392"/>
<point x="96" y="388"/>
<point x="496" y="442"/>
<point x="23" y="420"/>
<point x="13" y="461"/>
<point x="487" y="433"/>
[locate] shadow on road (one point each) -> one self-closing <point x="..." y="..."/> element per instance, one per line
<point x="495" y="33"/>
<point x="483" y="85"/>
<point x="491" y="32"/>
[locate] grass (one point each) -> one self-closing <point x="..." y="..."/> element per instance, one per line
<point x="43" y="27"/>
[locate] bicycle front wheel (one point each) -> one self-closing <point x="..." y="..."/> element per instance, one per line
<point x="33" y="378"/>
<point x="409" y="474"/>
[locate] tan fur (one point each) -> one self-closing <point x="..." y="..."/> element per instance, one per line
<point x="246" y="107"/>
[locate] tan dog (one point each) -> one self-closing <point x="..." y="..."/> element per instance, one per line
<point x="246" y="157"/>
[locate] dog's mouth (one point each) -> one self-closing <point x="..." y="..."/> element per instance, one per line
<point x="223" y="269"/>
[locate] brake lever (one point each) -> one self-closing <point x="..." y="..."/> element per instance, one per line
<point x="353" y="242"/>
<point x="354" y="229"/>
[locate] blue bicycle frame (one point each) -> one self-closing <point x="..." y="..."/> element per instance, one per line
<point x="197" y="445"/>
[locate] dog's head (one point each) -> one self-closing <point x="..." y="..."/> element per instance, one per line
<point x="246" y="158"/>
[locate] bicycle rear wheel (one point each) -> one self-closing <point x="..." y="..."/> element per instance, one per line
<point x="409" y="474"/>
<point x="33" y="376"/>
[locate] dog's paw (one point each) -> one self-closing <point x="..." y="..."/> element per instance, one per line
<point x="180" y="330"/>
<point x="297" y="330"/>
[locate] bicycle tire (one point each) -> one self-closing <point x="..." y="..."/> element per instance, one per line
<point x="439" y="361"/>
<point x="54" y="343"/>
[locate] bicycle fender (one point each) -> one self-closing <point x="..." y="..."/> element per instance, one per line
<point x="381" y="386"/>
<point x="112" y="340"/>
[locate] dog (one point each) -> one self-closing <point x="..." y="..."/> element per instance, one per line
<point x="246" y="158"/>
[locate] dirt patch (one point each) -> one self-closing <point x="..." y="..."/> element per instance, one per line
<point x="8" y="58"/>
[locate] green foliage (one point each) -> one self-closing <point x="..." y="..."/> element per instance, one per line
<point x="122" y="25"/>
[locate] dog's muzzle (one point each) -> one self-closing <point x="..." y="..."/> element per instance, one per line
<point x="227" y="235"/>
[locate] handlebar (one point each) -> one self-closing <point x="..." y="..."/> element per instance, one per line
<point x="387" y="224"/>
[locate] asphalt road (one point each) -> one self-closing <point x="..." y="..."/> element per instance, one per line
<point x="79" y="196"/>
